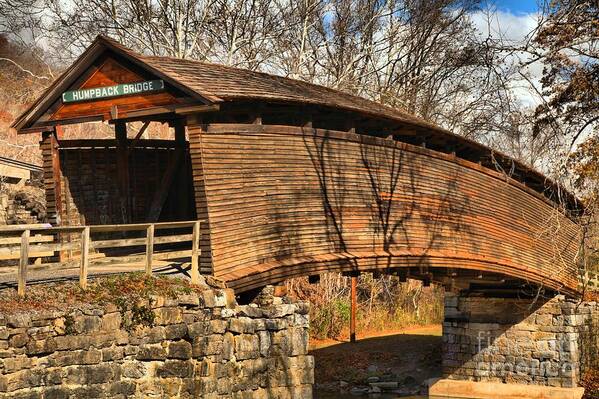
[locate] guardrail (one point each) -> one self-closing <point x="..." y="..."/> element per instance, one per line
<point x="24" y="242"/>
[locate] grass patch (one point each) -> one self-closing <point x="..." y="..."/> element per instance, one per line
<point x="123" y="290"/>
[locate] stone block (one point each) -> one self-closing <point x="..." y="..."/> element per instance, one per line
<point x="86" y="324"/>
<point x="18" y="340"/>
<point x="134" y="369"/>
<point x="190" y="300"/>
<point x="112" y="353"/>
<point x="151" y="352"/>
<point x="207" y="345"/>
<point x="275" y="324"/>
<point x="218" y="326"/>
<point x="250" y="310"/>
<point x="167" y="315"/>
<point x="90" y="375"/>
<point x="111" y="321"/>
<point x="241" y="325"/>
<point x="11" y="365"/>
<point x="179" y="350"/>
<point x="265" y="342"/>
<point x="199" y="329"/>
<point x="175" y="331"/>
<point x="246" y="346"/>
<point x="278" y="311"/>
<point x="175" y="369"/>
<point x="207" y="299"/>
<point x="79" y="357"/>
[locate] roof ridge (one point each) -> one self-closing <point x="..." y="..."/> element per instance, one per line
<point x="294" y="80"/>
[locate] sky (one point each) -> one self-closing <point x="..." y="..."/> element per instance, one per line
<point x="513" y="21"/>
<point x="517" y="6"/>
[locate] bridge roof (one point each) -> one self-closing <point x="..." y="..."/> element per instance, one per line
<point x="217" y="84"/>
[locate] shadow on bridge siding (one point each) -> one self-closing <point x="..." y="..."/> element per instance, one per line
<point x="373" y="199"/>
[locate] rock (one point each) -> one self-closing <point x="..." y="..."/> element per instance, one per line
<point x="375" y="390"/>
<point x="343" y="384"/>
<point x="373" y="379"/>
<point x="385" y="385"/>
<point x="357" y="391"/>
<point x="179" y="350"/>
<point x="372" y="368"/>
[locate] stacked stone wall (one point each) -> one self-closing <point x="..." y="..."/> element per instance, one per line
<point x="198" y="346"/>
<point x="523" y="341"/>
<point x="22" y="207"/>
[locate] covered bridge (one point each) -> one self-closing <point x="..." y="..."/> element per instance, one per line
<point x="295" y="179"/>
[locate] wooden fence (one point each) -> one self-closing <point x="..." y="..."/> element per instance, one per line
<point x="77" y="244"/>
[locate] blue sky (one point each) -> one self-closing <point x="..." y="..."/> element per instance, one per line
<point x="517" y="6"/>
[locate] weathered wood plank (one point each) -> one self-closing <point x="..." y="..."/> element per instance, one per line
<point x="85" y="241"/>
<point x="149" y="249"/>
<point x="23" y="263"/>
<point x="195" y="254"/>
<point x="281" y="199"/>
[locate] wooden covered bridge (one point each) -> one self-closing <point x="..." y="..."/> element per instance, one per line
<point x="294" y="179"/>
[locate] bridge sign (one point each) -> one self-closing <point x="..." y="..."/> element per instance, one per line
<point x="123" y="89"/>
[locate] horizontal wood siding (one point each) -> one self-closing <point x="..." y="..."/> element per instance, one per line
<point x="195" y="150"/>
<point x="285" y="201"/>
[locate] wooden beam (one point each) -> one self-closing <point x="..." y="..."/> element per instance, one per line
<point x="149" y="249"/>
<point x="122" y="161"/>
<point x="195" y="253"/>
<point x="179" y="126"/>
<point x="354" y="309"/>
<point x="23" y="263"/>
<point x="170" y="109"/>
<point x="49" y="125"/>
<point x="194" y="109"/>
<point x="52" y="175"/>
<point x="139" y="134"/>
<point x="84" y="258"/>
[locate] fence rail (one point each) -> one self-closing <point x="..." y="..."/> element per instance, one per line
<point x="77" y="243"/>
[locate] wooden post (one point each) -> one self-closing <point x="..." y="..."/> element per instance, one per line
<point x="354" y="307"/>
<point x="84" y="257"/>
<point x="23" y="261"/>
<point x="149" y="248"/>
<point x="195" y="253"/>
<point x="179" y="126"/>
<point x="50" y="147"/>
<point x="122" y="164"/>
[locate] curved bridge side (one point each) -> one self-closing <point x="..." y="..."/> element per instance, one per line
<point x="286" y="201"/>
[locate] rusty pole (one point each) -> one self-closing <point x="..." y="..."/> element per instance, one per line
<point x="354" y="306"/>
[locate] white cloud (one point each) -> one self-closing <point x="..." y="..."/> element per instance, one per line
<point x="504" y="24"/>
<point x="514" y="30"/>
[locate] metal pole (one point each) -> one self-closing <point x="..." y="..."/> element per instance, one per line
<point x="354" y="307"/>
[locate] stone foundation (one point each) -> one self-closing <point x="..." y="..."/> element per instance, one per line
<point x="519" y="341"/>
<point x="199" y="346"/>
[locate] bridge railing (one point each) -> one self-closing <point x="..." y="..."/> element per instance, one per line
<point x="87" y="247"/>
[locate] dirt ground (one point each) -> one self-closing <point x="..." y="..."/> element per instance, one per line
<point x="409" y="356"/>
